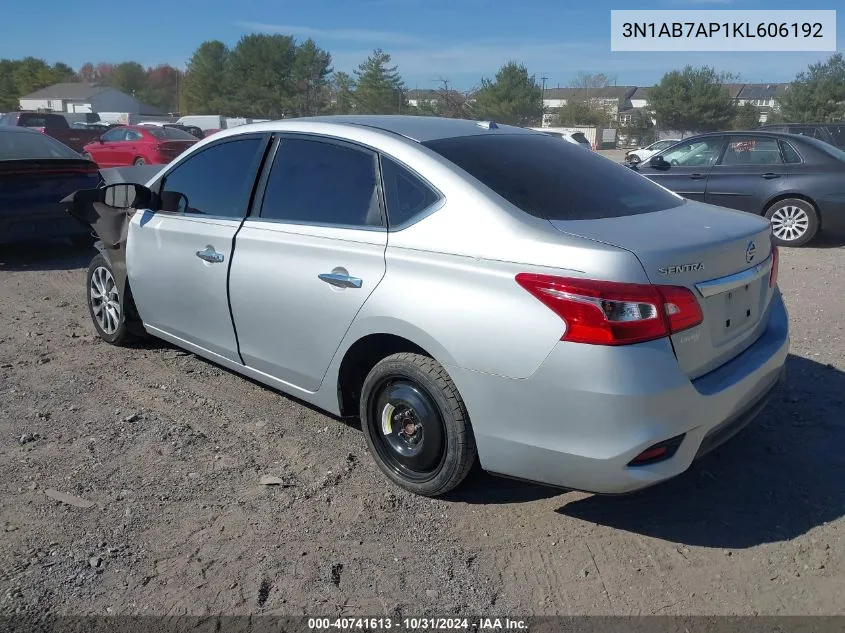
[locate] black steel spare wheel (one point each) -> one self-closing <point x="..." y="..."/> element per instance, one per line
<point x="411" y="434"/>
<point x="416" y="424"/>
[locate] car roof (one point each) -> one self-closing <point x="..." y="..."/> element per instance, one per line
<point x="416" y="128"/>
<point x="746" y="133"/>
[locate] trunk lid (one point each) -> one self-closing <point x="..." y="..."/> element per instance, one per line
<point x="723" y="256"/>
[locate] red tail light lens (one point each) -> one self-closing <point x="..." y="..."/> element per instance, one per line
<point x="612" y="313"/>
<point x="773" y="276"/>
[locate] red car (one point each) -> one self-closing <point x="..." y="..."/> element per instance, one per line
<point x="138" y="145"/>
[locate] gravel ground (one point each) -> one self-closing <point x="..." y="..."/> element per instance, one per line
<point x="168" y="452"/>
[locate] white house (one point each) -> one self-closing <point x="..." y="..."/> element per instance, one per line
<point x="85" y="97"/>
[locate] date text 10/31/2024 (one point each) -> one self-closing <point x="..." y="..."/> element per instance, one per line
<point x="416" y="624"/>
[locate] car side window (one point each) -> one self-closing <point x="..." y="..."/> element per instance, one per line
<point x="320" y="182"/>
<point x="111" y="136"/>
<point x="702" y="152"/>
<point x="789" y="154"/>
<point x="407" y="196"/>
<point x="133" y="135"/>
<point x="215" y="181"/>
<point x="752" y="151"/>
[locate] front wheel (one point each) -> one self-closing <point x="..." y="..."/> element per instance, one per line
<point x="794" y="221"/>
<point x="416" y="424"/>
<point x="633" y="159"/>
<point x="104" y="303"/>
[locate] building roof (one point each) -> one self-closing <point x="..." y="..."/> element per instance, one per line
<point x="611" y="92"/>
<point x="761" y="91"/>
<point x="73" y="90"/>
<point x="641" y="92"/>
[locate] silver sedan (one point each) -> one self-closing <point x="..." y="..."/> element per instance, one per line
<point x="470" y="291"/>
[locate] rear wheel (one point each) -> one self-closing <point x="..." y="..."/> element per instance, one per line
<point x="139" y="161"/>
<point x="416" y="425"/>
<point x="794" y="221"/>
<point x="104" y="304"/>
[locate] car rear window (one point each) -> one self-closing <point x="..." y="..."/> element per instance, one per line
<point x="170" y="133"/>
<point x="552" y="180"/>
<point x="23" y="145"/>
<point x="42" y="120"/>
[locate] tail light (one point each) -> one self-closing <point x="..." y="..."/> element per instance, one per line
<point x="612" y="313"/>
<point x="773" y="276"/>
<point x="43" y="130"/>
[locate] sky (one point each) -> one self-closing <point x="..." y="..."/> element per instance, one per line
<point x="459" y="40"/>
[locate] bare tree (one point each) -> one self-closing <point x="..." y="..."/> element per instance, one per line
<point x="593" y="80"/>
<point x="450" y="102"/>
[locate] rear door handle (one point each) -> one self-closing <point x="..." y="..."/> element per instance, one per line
<point x="341" y="281"/>
<point x="770" y="175"/>
<point x="210" y="255"/>
<point x="697" y="176"/>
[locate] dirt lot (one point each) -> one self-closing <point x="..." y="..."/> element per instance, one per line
<point x="170" y="450"/>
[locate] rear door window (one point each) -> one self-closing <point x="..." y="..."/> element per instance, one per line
<point x="322" y="183"/>
<point x="552" y="180"/>
<point x="789" y="154"/>
<point x="751" y="151"/>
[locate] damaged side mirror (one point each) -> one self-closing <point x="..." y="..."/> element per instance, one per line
<point x="126" y="196"/>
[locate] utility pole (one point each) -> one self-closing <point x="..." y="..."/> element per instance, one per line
<point x="543" y="101"/>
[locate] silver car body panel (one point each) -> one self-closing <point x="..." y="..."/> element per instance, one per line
<point x="558" y="412"/>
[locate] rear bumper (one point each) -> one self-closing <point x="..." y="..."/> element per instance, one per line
<point x="581" y="418"/>
<point x="24" y="226"/>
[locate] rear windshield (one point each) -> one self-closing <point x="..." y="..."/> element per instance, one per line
<point x="42" y="120"/>
<point x="838" y="134"/>
<point x="23" y="145"/>
<point x="553" y="180"/>
<point x="170" y="133"/>
<point x="579" y="136"/>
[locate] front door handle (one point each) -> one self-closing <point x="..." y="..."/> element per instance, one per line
<point x="697" y="176"/>
<point x="770" y="175"/>
<point x="341" y="281"/>
<point x="210" y="255"/>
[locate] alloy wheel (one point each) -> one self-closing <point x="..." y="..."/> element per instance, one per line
<point x="789" y="223"/>
<point x="105" y="301"/>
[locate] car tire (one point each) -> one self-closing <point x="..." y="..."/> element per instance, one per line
<point x="633" y="159"/>
<point x="794" y="221"/>
<point x="416" y="424"/>
<point x="104" y="305"/>
<point x="139" y="161"/>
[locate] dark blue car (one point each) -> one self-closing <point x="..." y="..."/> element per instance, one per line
<point x="36" y="172"/>
<point x="796" y="181"/>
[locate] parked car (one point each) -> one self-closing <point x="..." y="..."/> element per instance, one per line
<point x="797" y="182"/>
<point x="644" y="153"/>
<point x="36" y="172"/>
<point x="599" y="333"/>
<point x="831" y="133"/>
<point x="51" y="124"/>
<point x="138" y="145"/>
<point x="193" y="130"/>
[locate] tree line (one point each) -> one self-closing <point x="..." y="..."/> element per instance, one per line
<point x="276" y="76"/>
